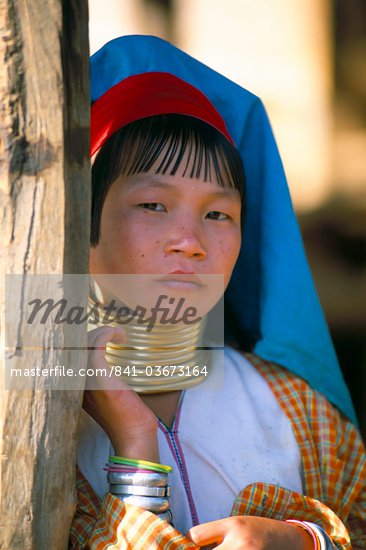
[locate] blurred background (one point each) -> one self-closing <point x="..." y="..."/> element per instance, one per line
<point x="307" y="61"/>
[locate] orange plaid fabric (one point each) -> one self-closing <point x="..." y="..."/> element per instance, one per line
<point x="334" y="478"/>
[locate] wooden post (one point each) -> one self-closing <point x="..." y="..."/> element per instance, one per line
<point x="44" y="228"/>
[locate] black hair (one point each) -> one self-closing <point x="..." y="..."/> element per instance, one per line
<point x="164" y="140"/>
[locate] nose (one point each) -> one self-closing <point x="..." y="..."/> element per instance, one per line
<point x="186" y="241"/>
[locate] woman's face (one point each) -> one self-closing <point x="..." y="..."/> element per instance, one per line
<point x="163" y="224"/>
<point x="185" y="230"/>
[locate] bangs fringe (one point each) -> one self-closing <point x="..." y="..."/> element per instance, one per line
<point x="164" y="141"/>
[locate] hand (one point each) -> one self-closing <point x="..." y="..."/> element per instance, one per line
<point x="250" y="533"/>
<point x="129" y="423"/>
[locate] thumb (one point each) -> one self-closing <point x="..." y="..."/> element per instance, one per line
<point x="207" y="533"/>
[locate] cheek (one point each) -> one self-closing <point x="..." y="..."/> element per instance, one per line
<point x="237" y="248"/>
<point x="227" y="257"/>
<point x="140" y="249"/>
<point x="228" y="250"/>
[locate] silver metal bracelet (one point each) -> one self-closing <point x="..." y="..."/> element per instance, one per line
<point x="139" y="490"/>
<point x="152" y="504"/>
<point x="146" y="480"/>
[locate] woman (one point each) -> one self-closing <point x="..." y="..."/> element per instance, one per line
<point x="263" y="460"/>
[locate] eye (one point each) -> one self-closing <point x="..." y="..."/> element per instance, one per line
<point x="153" y="206"/>
<point x="218" y="216"/>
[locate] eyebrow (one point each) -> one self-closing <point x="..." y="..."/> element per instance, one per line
<point x="155" y="182"/>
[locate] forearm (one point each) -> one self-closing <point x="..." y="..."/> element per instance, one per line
<point x="122" y="525"/>
<point x="319" y="539"/>
<point x="141" y="445"/>
<point x="111" y="521"/>
<point x="283" y="504"/>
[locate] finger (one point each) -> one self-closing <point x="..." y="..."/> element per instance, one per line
<point x="208" y="533"/>
<point x="119" y="335"/>
<point x="98" y="341"/>
<point x="104" y="377"/>
<point x="99" y="337"/>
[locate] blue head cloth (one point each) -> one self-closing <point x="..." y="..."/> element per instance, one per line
<point x="271" y="294"/>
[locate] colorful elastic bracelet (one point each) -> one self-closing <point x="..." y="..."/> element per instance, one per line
<point x="114" y="467"/>
<point x="324" y="539"/>
<point x="307" y="528"/>
<point x="143" y="464"/>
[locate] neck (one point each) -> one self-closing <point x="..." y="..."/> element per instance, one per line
<point x="161" y="359"/>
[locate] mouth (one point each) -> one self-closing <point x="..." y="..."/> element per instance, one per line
<point x="182" y="279"/>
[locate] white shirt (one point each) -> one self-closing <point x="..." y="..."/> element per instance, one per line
<point x="229" y="431"/>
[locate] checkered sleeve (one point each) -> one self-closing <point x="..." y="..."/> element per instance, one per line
<point x="112" y="524"/>
<point x="333" y="461"/>
<point x="334" y="477"/>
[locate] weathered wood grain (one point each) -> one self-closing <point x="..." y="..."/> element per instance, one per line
<point x="44" y="228"/>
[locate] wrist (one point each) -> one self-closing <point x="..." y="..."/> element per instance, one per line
<point x="141" y="483"/>
<point x="309" y="537"/>
<point x="138" y="446"/>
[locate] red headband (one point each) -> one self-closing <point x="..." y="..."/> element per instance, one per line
<point x="146" y="95"/>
